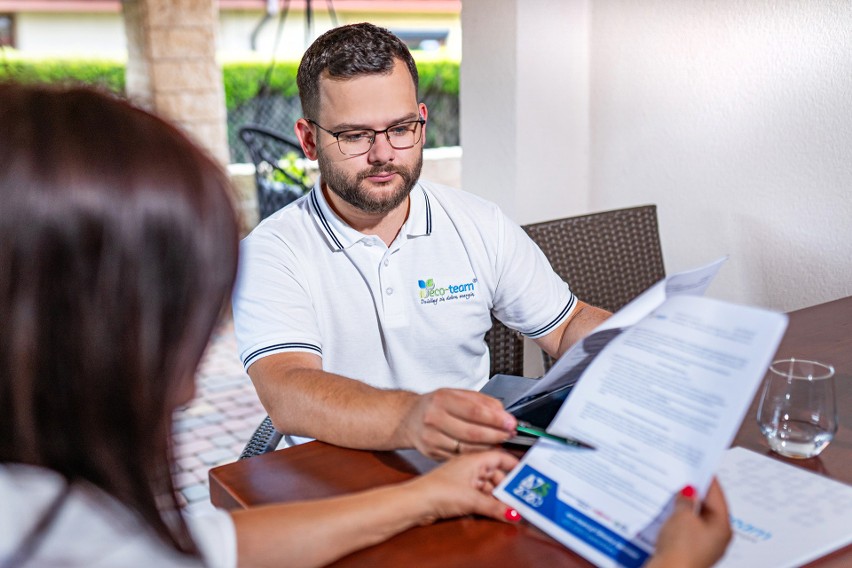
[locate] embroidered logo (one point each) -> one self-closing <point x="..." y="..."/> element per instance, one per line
<point x="426" y="287"/>
<point x="432" y="294"/>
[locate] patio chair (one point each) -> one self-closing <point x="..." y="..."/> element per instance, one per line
<point x="276" y="186"/>
<point x="608" y="258"/>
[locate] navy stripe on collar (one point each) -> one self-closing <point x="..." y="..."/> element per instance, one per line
<point x="323" y="221"/>
<point x="428" y="212"/>
<point x="279" y="346"/>
<point x="555" y="321"/>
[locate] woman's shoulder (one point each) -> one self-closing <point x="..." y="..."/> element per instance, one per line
<point x="90" y="528"/>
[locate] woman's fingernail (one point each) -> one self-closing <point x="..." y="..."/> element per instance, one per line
<point x="688" y="492"/>
<point x="512" y="515"/>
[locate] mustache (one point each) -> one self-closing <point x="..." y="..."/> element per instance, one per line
<point x="380" y="171"/>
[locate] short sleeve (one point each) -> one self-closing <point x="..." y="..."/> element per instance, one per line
<point x="273" y="308"/>
<point x="530" y="297"/>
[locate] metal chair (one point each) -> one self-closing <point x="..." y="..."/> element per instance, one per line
<point x="276" y="186"/>
<point x="608" y="258"/>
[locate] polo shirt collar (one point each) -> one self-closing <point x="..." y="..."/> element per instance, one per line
<point x="340" y="235"/>
<point x="419" y="222"/>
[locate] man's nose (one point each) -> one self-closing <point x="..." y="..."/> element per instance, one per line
<point x="381" y="151"/>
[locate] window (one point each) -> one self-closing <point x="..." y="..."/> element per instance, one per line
<point x="7" y="36"/>
<point x="424" y="40"/>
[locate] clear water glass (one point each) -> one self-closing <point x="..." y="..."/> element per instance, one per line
<point x="797" y="413"/>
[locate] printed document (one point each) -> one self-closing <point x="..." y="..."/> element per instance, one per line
<point x="660" y="400"/>
<point x="782" y="516"/>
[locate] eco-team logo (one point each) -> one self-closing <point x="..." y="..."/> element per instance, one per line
<point x="533" y="489"/>
<point x="429" y="290"/>
<point x="426" y="287"/>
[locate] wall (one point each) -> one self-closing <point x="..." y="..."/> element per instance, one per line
<point x="101" y="34"/>
<point x="236" y="28"/>
<point x="70" y="34"/>
<point x="524" y="97"/>
<point x="732" y="116"/>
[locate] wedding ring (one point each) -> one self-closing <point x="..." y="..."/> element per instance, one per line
<point x="457" y="449"/>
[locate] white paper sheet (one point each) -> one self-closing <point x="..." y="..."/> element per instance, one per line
<point x="661" y="403"/>
<point x="782" y="516"/>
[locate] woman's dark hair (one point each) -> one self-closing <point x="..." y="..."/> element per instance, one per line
<point x="118" y="250"/>
<point x="347" y="52"/>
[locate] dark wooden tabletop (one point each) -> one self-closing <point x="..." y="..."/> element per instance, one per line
<point x="316" y="470"/>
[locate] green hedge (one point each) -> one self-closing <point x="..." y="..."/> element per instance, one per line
<point x="241" y="80"/>
<point x="106" y="73"/>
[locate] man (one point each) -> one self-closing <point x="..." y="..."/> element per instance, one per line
<point x="362" y="307"/>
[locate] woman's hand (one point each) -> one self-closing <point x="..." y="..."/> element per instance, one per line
<point x="694" y="538"/>
<point x="463" y="486"/>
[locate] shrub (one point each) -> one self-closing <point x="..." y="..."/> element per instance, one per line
<point x="241" y="80"/>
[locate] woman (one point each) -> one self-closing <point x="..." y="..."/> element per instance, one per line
<point x="118" y="248"/>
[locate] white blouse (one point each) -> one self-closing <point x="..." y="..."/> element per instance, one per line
<point x="93" y="529"/>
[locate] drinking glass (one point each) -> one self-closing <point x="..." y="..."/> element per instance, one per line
<point x="797" y="412"/>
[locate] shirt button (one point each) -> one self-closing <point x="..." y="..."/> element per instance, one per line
<point x="387" y="262"/>
<point x="368" y="243"/>
<point x="388" y="291"/>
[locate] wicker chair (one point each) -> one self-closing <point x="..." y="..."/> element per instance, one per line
<point x="608" y="258"/>
<point x="276" y="187"/>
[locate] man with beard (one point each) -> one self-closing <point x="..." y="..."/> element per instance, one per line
<point x="362" y="308"/>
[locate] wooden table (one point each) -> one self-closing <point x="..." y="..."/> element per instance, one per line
<point x="315" y="470"/>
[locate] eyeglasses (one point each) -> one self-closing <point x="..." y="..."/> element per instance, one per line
<point x="356" y="142"/>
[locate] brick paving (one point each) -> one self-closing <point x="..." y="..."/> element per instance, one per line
<point x="218" y="422"/>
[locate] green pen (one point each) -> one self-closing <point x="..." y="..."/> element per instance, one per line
<point x="528" y="428"/>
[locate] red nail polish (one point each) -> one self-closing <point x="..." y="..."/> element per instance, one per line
<point x="512" y="515"/>
<point x="688" y="491"/>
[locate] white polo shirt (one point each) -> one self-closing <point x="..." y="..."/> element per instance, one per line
<point x="410" y="316"/>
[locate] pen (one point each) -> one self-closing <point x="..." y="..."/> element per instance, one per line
<point x="528" y="428"/>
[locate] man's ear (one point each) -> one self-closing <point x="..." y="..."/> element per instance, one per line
<point x="424" y="112"/>
<point x="305" y="133"/>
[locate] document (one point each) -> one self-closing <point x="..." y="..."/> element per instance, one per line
<point x="660" y="397"/>
<point x="567" y="369"/>
<point x="782" y="516"/>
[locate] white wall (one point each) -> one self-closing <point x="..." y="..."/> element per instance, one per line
<point x="89" y="35"/>
<point x="732" y="116"/>
<point x="524" y="98"/>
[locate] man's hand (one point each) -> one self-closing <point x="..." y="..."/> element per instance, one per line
<point x="447" y="422"/>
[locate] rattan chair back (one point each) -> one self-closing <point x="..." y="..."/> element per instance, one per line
<point x="607" y="258"/>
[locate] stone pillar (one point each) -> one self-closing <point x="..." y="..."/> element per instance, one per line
<point x="172" y="68"/>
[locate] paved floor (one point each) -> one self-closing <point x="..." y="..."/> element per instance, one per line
<point x="215" y="426"/>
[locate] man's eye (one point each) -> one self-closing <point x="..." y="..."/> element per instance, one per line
<point x="354" y="136"/>
<point x="400" y="130"/>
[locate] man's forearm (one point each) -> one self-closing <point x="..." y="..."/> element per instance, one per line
<point x="313" y="403"/>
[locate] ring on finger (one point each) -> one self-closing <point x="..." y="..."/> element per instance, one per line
<point x="457" y="449"/>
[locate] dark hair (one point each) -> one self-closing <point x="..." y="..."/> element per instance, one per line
<point x="347" y="52"/>
<point x="118" y="247"/>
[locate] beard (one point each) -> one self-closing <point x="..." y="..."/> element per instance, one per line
<point x="352" y="190"/>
